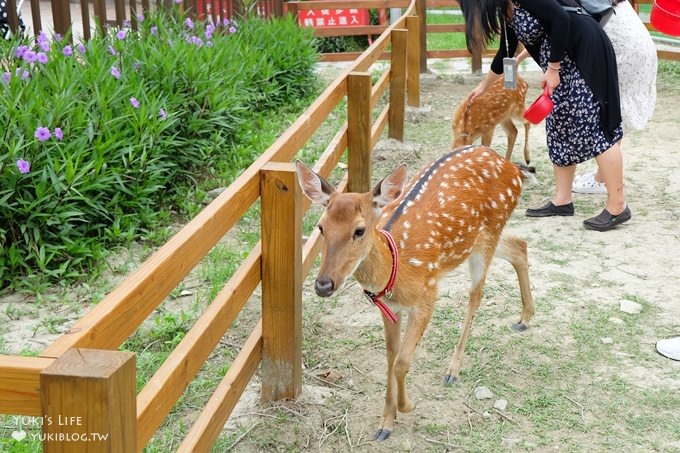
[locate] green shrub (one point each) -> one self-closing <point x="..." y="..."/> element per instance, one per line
<point x="101" y="141"/>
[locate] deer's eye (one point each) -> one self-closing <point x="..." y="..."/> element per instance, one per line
<point x="359" y="232"/>
<point x="320" y="229"/>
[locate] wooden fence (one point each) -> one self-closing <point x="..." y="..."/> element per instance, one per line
<point x="82" y="376"/>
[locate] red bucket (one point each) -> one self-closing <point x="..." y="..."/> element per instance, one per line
<point x="540" y="108"/>
<point x="665" y="16"/>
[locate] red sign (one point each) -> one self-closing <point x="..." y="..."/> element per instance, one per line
<point x="322" y="18"/>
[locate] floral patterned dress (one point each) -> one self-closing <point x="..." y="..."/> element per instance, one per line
<point x="636" y="62"/>
<point x="573" y="128"/>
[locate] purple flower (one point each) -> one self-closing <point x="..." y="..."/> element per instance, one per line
<point x="189" y="23"/>
<point x="232" y="29"/>
<point x="177" y="2"/>
<point x="81" y="48"/>
<point x="42" y="133"/>
<point x="42" y="37"/>
<point x="44" y="46"/>
<point x="140" y="17"/>
<point x="121" y="35"/>
<point x="58" y="133"/>
<point x="112" y="51"/>
<point x="196" y="40"/>
<point x="42" y="57"/>
<point x="23" y="166"/>
<point x="115" y="72"/>
<point x="58" y="37"/>
<point x="21" y="50"/>
<point x="30" y="56"/>
<point x="24" y="75"/>
<point x="134" y="102"/>
<point x="6" y="77"/>
<point x="209" y="30"/>
<point x="67" y="51"/>
<point x="162" y="114"/>
<point x="154" y="30"/>
<point x="126" y="23"/>
<point x="225" y="22"/>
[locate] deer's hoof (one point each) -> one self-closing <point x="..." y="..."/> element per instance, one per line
<point x="382" y="434"/>
<point x="450" y="380"/>
<point x="519" y="327"/>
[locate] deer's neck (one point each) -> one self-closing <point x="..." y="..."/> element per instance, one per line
<point x="374" y="271"/>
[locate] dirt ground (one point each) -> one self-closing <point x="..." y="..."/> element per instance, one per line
<point x="584" y="377"/>
<point x="584" y="374"/>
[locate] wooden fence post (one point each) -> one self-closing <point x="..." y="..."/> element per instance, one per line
<point x="281" y="214"/>
<point x="421" y="11"/>
<point x="61" y="16"/>
<point x="99" y="7"/>
<point x="89" y="402"/>
<point x="413" y="62"/>
<point x="476" y="58"/>
<point x="359" y="131"/>
<point x="397" y="85"/>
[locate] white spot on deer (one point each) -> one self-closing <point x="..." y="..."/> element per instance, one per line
<point x="402" y="245"/>
<point x="415" y="262"/>
<point x="485" y="173"/>
<point x="404" y="235"/>
<point x="418" y="216"/>
<point x="444" y="185"/>
<point x="432" y="283"/>
<point x="407" y="225"/>
<point x="501" y="196"/>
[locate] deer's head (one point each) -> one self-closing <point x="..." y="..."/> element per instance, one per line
<point x="347" y="224"/>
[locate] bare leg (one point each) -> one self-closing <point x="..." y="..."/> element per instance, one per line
<point x="564" y="177"/>
<point x="610" y="167"/>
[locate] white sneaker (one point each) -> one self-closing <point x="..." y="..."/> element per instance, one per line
<point x="586" y="184"/>
<point x="670" y="347"/>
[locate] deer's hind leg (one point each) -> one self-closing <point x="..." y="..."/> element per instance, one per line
<point x="479" y="261"/>
<point x="511" y="132"/>
<point x="514" y="250"/>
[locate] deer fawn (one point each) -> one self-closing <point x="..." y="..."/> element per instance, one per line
<point x="479" y="117"/>
<point x="400" y="241"/>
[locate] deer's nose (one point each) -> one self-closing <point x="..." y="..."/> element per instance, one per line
<point x="324" y="286"/>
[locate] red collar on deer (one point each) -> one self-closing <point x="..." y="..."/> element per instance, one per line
<point x="387" y="291"/>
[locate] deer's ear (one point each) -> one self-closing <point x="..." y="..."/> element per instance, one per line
<point x="390" y="187"/>
<point x="314" y="186"/>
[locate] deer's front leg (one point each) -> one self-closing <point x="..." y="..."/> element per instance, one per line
<point x="392" y="339"/>
<point x="418" y="320"/>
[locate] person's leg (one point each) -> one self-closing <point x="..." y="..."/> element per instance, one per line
<point x="561" y="203"/>
<point x="564" y="176"/>
<point x="610" y="167"/>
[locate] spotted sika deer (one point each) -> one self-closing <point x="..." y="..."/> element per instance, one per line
<point x="400" y="239"/>
<point x="498" y="105"/>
